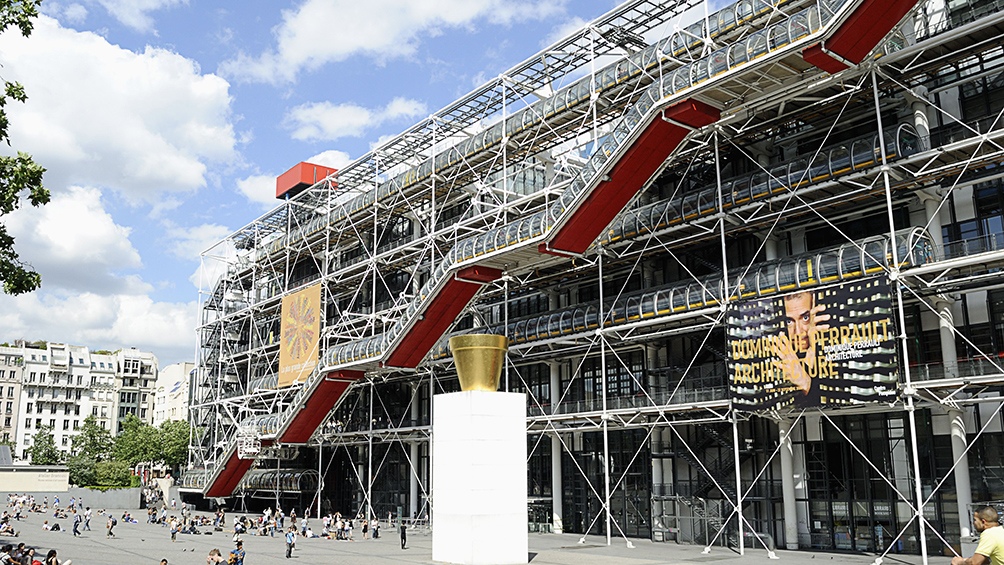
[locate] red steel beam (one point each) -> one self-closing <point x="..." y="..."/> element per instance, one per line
<point x="437" y="318"/>
<point x="659" y="139"/>
<point x="318" y="405"/>
<point x="233" y="471"/>
<point x="871" y="21"/>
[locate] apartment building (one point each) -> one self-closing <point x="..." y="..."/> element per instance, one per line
<point x="171" y="401"/>
<point x="57" y="386"/>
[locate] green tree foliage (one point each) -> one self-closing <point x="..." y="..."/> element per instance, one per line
<point x="83" y="470"/>
<point x="174" y="442"/>
<point x="19" y="175"/>
<point x="92" y="441"/>
<point x="43" y="449"/>
<point x="138" y="442"/>
<point x="112" y="474"/>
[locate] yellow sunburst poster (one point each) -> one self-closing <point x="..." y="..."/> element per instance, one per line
<point x="300" y="329"/>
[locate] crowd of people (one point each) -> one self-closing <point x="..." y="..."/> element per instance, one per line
<point x="160" y="511"/>
<point x="23" y="555"/>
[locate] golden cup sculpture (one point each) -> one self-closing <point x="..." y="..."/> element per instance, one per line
<point x="479" y="359"/>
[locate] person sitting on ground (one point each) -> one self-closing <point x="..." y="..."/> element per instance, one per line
<point x="7" y="529"/>
<point x="50" y="559"/>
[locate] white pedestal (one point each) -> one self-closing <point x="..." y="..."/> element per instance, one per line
<point x="479" y="478"/>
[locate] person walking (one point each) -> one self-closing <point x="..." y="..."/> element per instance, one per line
<point x="111" y="526"/>
<point x="990" y="550"/>
<point x="77" y="520"/>
<point x="404" y="535"/>
<point x="87" y="519"/>
<point x="290" y="541"/>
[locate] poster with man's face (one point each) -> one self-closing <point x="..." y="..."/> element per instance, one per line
<point x="821" y="347"/>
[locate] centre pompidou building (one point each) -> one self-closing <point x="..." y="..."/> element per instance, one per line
<point x="748" y="262"/>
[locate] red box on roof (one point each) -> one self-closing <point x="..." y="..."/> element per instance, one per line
<point x="299" y="178"/>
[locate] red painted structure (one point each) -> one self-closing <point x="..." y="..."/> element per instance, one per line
<point x="315" y="408"/>
<point x="659" y="139"/>
<point x="224" y="483"/>
<point x="443" y="309"/>
<point x="858" y="35"/>
<point x="299" y="178"/>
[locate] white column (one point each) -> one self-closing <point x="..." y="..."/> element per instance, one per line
<point x="770" y="248"/>
<point x="557" y="487"/>
<point x="920" y="119"/>
<point x="480" y="478"/>
<point x="414" y="454"/>
<point x="788" y="485"/>
<point x="363" y="479"/>
<point x="413" y="486"/>
<point x="963" y="488"/>
<point x="932" y="199"/>
<point x="946" y="330"/>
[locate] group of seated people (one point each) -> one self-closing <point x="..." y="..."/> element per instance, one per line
<point x="128" y="519"/>
<point x="22" y="555"/>
<point x="6" y="526"/>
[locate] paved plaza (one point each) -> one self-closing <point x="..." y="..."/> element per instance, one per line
<point x="140" y="544"/>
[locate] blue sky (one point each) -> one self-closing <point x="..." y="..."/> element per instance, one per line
<point x="163" y="124"/>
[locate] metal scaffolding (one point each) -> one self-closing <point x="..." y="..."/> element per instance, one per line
<point x="815" y="170"/>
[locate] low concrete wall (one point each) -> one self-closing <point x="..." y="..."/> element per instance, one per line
<point x="34" y="478"/>
<point x="123" y="498"/>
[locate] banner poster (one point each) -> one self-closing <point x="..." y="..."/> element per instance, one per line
<point x="822" y="347"/>
<point x="300" y="329"/>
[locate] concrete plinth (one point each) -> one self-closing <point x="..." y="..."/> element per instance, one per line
<point x="479" y="478"/>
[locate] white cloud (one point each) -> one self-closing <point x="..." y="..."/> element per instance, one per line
<point x="188" y="242"/>
<point x="259" y="189"/>
<point x="135" y="14"/>
<point x="563" y="30"/>
<point x="331" y="158"/>
<point x="88" y="295"/>
<point x="144" y="124"/>
<point x="382" y="29"/>
<point x="214" y="264"/>
<point x="75" y="244"/>
<point x="104" y="322"/>
<point x="324" y="121"/>
<point x="75" y="14"/>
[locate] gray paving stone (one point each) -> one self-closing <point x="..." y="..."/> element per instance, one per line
<point x="143" y="543"/>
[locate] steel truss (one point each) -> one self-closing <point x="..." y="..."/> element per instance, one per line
<point x="668" y="367"/>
